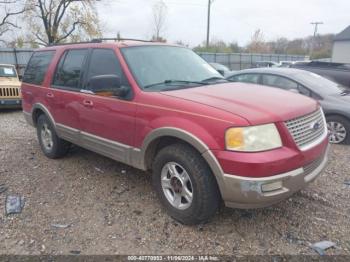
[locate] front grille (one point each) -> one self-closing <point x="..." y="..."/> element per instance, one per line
<point x="9" y="92"/>
<point x="308" y="129"/>
<point x="309" y="168"/>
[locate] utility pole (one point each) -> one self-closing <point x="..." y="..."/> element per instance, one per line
<point x="208" y="25"/>
<point x="316" y="24"/>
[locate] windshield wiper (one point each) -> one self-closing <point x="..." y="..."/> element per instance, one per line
<point x="213" y="79"/>
<point x="176" y="82"/>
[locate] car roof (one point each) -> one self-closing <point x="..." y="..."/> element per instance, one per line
<point x="271" y="70"/>
<point x="118" y="44"/>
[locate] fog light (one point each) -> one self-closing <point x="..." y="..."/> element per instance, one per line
<point x="271" y="186"/>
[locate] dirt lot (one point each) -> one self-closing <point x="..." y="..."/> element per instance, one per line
<point x="111" y="208"/>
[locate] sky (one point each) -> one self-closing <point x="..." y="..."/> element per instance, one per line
<point x="231" y="20"/>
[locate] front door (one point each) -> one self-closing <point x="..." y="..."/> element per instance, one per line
<point x="108" y="123"/>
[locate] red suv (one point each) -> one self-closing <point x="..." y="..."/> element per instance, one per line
<point x="162" y="108"/>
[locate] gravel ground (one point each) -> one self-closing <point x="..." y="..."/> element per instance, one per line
<point x="111" y="208"/>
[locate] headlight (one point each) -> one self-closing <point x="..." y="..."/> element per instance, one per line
<point x="253" y="138"/>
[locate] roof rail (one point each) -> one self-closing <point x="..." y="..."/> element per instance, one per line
<point x="75" y="43"/>
<point x="99" y="40"/>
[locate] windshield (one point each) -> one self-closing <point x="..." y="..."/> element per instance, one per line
<point x="158" y="67"/>
<point x="320" y="84"/>
<point x="7" y="71"/>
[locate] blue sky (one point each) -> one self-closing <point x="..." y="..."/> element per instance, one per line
<point x="232" y="20"/>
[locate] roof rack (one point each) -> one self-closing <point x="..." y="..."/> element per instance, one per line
<point x="100" y="40"/>
<point x="75" y="43"/>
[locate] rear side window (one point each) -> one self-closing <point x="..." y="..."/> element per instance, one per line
<point x="68" y="73"/>
<point x="37" y="67"/>
<point x="246" y="78"/>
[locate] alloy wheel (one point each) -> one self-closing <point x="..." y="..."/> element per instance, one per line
<point x="337" y="132"/>
<point x="46" y="137"/>
<point x="177" y="185"/>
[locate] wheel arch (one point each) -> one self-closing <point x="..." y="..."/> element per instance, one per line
<point x="161" y="137"/>
<point x="39" y="109"/>
<point x="338" y="115"/>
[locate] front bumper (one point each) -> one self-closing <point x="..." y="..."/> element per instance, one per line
<point x="248" y="192"/>
<point x="11" y="103"/>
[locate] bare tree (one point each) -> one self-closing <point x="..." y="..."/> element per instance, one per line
<point x="160" y="11"/>
<point x="8" y="10"/>
<point x="56" y="21"/>
<point x="257" y="43"/>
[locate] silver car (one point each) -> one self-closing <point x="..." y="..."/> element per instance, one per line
<point x="334" y="99"/>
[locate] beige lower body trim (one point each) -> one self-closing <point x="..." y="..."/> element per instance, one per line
<point x="111" y="149"/>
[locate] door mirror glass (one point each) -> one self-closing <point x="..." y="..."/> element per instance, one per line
<point x="107" y="85"/>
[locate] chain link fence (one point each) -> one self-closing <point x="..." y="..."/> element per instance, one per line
<point x="235" y="61"/>
<point x="239" y="61"/>
<point x="18" y="57"/>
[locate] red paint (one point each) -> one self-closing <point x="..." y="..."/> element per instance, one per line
<point x="206" y="112"/>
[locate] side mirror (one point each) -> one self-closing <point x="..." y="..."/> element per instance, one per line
<point x="221" y="72"/>
<point x="107" y="85"/>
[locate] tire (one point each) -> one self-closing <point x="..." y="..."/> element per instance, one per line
<point x="339" y="128"/>
<point x="52" y="146"/>
<point x="189" y="165"/>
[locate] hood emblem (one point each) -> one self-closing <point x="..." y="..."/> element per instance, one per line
<point x="315" y="126"/>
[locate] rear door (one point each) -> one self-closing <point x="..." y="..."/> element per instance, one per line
<point x="65" y="96"/>
<point x="108" y="123"/>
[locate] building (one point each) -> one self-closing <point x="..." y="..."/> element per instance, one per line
<point x="341" y="47"/>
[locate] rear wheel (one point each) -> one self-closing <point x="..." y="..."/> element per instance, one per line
<point x="339" y="130"/>
<point x="51" y="145"/>
<point x="185" y="185"/>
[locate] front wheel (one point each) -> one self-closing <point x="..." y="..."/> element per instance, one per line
<point x="339" y="130"/>
<point x="185" y="184"/>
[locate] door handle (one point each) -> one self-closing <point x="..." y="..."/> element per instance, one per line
<point x="49" y="95"/>
<point x="88" y="103"/>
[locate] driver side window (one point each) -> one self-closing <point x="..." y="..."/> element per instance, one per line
<point x="105" y="62"/>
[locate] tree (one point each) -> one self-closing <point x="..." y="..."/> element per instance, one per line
<point x="257" y="43"/>
<point x="57" y="21"/>
<point x="8" y="10"/>
<point x="160" y="11"/>
<point x="219" y="46"/>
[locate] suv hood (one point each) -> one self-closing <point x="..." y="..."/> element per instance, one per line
<point x="9" y="81"/>
<point x="256" y="104"/>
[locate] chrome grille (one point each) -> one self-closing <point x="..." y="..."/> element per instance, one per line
<point x="9" y="92"/>
<point x="308" y="129"/>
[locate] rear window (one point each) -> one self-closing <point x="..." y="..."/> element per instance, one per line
<point x="37" y="67"/>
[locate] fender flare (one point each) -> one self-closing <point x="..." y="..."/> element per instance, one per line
<point x="189" y="138"/>
<point x="46" y="112"/>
